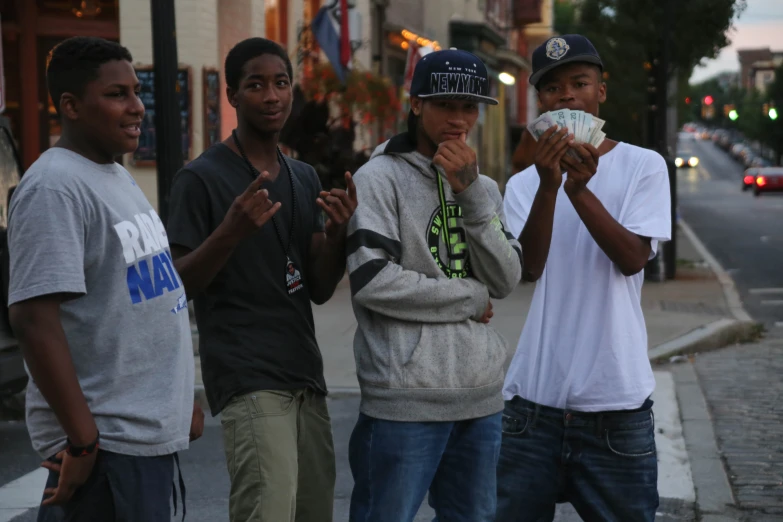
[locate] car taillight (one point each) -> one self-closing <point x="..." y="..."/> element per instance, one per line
<point x="761" y="181"/>
<point x="749" y="180"/>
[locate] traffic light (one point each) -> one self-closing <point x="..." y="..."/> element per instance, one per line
<point x="733" y="115"/>
<point x="688" y="100"/>
<point x="773" y="114"/>
<point x="708" y="100"/>
<point x="765" y="109"/>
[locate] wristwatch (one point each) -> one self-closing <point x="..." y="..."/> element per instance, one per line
<point x="83" y="451"/>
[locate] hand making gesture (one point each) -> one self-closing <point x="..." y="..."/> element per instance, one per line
<point x="339" y="206"/>
<point x="250" y="210"/>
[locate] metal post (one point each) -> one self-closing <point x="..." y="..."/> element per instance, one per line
<point x="670" y="247"/>
<point x="168" y="131"/>
<point x="664" y="69"/>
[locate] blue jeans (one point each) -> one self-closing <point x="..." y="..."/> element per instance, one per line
<point x="604" y="464"/>
<point x="394" y="464"/>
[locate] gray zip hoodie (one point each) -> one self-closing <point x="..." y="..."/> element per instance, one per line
<point x="421" y="355"/>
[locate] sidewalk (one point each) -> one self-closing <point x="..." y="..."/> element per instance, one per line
<point x="696" y="312"/>
<point x="687" y="314"/>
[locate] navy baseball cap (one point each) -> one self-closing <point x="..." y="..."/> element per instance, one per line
<point x="560" y="50"/>
<point x="452" y="74"/>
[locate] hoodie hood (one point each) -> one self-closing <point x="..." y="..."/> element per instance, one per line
<point x="404" y="147"/>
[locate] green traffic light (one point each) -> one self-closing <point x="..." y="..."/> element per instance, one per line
<point x="733" y="115"/>
<point x="773" y="114"/>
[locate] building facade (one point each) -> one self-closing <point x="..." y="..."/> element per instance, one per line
<point x="501" y="32"/>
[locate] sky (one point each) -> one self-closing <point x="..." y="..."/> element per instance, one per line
<point x="760" y="25"/>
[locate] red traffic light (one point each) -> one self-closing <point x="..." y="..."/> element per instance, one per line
<point x="688" y="100"/>
<point x="708" y="100"/>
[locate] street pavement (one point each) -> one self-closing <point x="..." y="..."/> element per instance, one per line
<point x="743" y="389"/>
<point x="672" y="308"/>
<point x="740" y="386"/>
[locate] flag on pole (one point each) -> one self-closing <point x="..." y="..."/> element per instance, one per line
<point x="415" y="53"/>
<point x="334" y="42"/>
<point x="345" y="35"/>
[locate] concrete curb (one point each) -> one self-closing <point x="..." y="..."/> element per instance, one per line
<point x="737" y="329"/>
<point x="711" y="336"/>
<point x="714" y="497"/>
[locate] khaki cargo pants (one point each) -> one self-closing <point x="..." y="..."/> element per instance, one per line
<point x="280" y="457"/>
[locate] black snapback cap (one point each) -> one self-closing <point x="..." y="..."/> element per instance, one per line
<point x="561" y="50"/>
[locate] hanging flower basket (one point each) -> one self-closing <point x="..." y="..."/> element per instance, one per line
<point x="366" y="96"/>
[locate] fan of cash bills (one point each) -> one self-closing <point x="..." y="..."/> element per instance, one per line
<point x="585" y="127"/>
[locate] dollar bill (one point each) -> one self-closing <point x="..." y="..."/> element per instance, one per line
<point x="562" y="117"/>
<point x="597" y="139"/>
<point x="595" y="127"/>
<point x="540" y="125"/>
<point x="586" y="128"/>
<point x="573" y="123"/>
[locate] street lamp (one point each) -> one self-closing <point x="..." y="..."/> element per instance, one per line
<point x="507" y="78"/>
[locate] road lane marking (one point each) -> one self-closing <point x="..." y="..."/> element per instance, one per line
<point x="772" y="302"/>
<point x="765" y="291"/>
<point x="22" y="494"/>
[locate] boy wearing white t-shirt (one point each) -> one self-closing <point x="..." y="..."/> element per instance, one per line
<point x="578" y="424"/>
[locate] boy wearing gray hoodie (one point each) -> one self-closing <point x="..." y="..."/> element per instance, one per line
<point x="427" y="249"/>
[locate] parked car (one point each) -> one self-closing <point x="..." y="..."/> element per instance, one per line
<point x="749" y="178"/>
<point x="737" y="150"/>
<point x="13" y="377"/>
<point x="758" y="161"/>
<point x="768" y="179"/>
<point x="748" y="157"/>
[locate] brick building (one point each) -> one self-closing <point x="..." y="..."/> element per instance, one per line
<point x="207" y="29"/>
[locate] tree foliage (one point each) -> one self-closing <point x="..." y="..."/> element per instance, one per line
<point x="773" y="130"/>
<point x="752" y="107"/>
<point x="628" y="33"/>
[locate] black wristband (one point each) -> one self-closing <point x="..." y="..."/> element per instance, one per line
<point x="83" y="451"/>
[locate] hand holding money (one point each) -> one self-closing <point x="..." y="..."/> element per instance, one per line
<point x="550" y="149"/>
<point x="581" y="168"/>
<point x="585" y="127"/>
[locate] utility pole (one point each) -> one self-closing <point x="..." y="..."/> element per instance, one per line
<point x="665" y="69"/>
<point x="168" y="131"/>
<point x="658" y="70"/>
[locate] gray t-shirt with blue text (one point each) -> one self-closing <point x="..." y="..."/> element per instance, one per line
<point x="85" y="228"/>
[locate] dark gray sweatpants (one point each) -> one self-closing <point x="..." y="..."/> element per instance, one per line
<point x="121" y="488"/>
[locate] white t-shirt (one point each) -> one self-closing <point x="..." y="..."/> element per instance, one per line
<point x="584" y="344"/>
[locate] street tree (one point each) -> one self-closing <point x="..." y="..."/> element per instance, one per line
<point x="773" y="128"/>
<point x="631" y="33"/>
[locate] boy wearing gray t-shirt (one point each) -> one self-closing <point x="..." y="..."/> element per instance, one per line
<point x="97" y="306"/>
